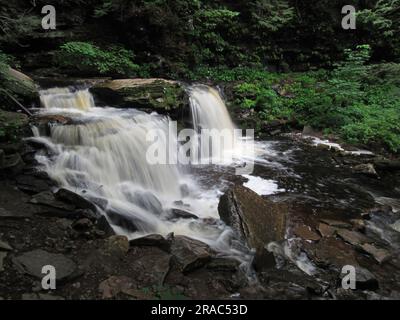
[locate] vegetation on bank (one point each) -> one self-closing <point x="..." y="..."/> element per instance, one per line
<point x="358" y="101"/>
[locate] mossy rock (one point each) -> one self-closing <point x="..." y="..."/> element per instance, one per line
<point x="159" y="95"/>
<point x="19" y="86"/>
<point x="13" y="125"/>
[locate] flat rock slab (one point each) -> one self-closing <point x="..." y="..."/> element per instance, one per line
<point x="32" y="263"/>
<point x="306" y="233"/>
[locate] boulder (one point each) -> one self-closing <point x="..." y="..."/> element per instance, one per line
<point x="176" y="214"/>
<point x="74" y="199"/>
<point x="190" y="254"/>
<point x="255" y="219"/>
<point x="116" y="245"/>
<point x="153" y="94"/>
<point x="148" y="201"/>
<point x="32" y="263"/>
<point x="152" y="240"/>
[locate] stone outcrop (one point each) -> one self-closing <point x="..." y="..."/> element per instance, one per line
<point x="150" y="94"/>
<point x="256" y="220"/>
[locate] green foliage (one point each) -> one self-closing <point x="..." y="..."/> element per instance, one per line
<point x="382" y="24"/>
<point x="89" y="58"/>
<point x="271" y="15"/>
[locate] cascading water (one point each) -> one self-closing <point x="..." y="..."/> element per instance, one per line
<point x="101" y="154"/>
<point x="209" y="114"/>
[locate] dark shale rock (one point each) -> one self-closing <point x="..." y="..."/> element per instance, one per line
<point x="152" y="240"/>
<point x="190" y="254"/>
<point x="32" y="263"/>
<point x="74" y="199"/>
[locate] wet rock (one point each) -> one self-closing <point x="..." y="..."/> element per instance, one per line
<point x="367" y="169"/>
<point x="154" y="94"/>
<point x="74" y="199"/>
<point x="190" y="254"/>
<point x="103" y="225"/>
<point x="336" y="223"/>
<point x="223" y="264"/>
<point x="32" y="263"/>
<point x="256" y="220"/>
<point x="379" y="254"/>
<point x="152" y="240"/>
<point x="306" y="233"/>
<point x="181" y="214"/>
<point x="116" y="245"/>
<point x="127" y="222"/>
<point x="47" y="198"/>
<point x="331" y="252"/>
<point x="46" y="119"/>
<point x="3" y="255"/>
<point x="264" y="260"/>
<point x="355" y="238"/>
<point x="4" y="246"/>
<point x="326" y="230"/>
<point x="148" y="201"/>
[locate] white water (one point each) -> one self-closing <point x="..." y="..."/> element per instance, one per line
<point x="101" y="155"/>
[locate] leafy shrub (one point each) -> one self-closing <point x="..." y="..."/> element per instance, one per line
<point x="87" y="57"/>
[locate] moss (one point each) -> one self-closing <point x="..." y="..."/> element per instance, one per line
<point x="13" y="125"/>
<point x="159" y="95"/>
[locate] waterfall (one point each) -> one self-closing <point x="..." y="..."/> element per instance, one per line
<point x="101" y="154"/>
<point x="227" y="145"/>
